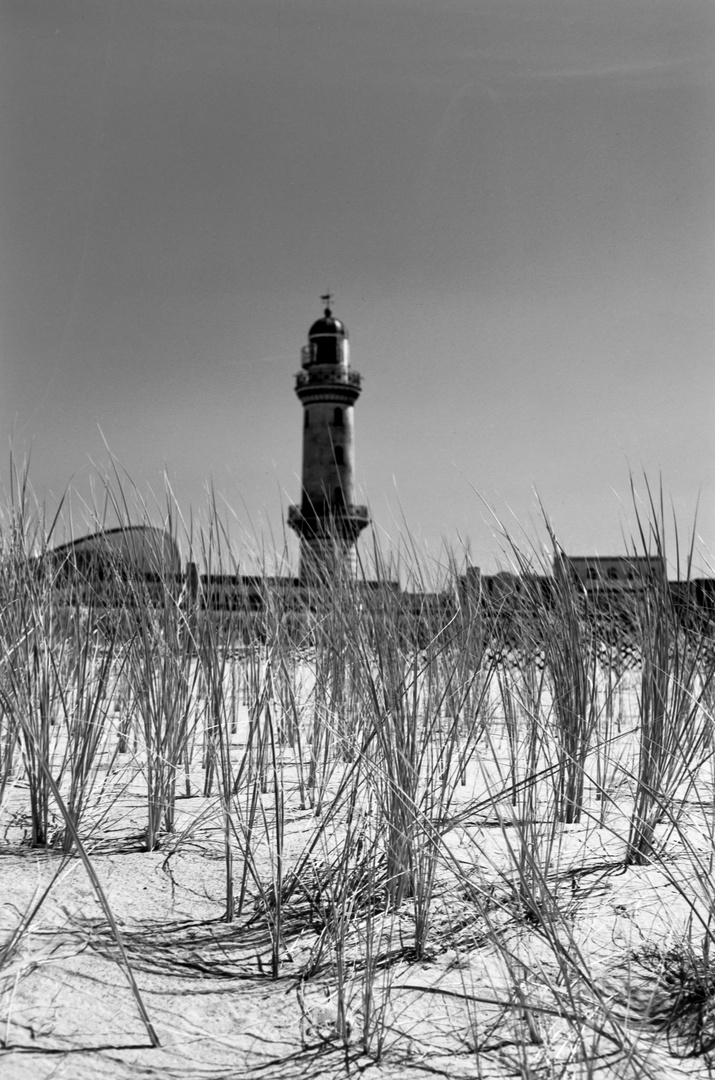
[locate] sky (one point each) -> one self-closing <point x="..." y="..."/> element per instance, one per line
<point x="510" y="200"/>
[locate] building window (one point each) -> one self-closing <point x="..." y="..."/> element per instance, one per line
<point x="339" y="455"/>
<point x="338" y="497"/>
<point x="337" y="418"/>
<point x="612" y="573"/>
<point x="306" y="422"/>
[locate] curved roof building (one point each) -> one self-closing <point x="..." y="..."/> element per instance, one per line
<point x="143" y="548"/>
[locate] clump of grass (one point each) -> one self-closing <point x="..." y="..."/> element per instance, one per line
<point x="571" y="656"/>
<point x="33" y="651"/>
<point x="678" y="667"/>
<point x="415" y="720"/>
<point x="677" y="995"/>
<point x="84" y="697"/>
<point x="163" y="677"/>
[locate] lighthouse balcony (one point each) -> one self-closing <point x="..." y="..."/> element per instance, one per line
<point x="323" y="383"/>
<point x="323" y="518"/>
<point x="326" y="374"/>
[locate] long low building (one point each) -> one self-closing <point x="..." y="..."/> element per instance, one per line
<point x="109" y="563"/>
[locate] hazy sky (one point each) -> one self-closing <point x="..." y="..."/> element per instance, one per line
<point x="512" y="201"/>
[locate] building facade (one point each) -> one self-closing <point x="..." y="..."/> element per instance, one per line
<point x="611" y="573"/>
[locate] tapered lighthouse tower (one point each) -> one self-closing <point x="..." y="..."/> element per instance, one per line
<point x="328" y="521"/>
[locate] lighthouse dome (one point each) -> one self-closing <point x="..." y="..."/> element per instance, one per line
<point x="328" y="326"/>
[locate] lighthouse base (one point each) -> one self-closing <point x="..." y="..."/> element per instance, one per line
<point x="327" y="548"/>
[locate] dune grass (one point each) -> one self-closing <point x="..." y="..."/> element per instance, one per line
<point x="398" y="779"/>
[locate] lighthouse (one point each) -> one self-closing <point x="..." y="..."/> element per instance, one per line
<point x="328" y="521"/>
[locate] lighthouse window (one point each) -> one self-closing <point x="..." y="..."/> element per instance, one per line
<point x="306" y="422"/>
<point x="339" y="456"/>
<point x="338" y="418"/>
